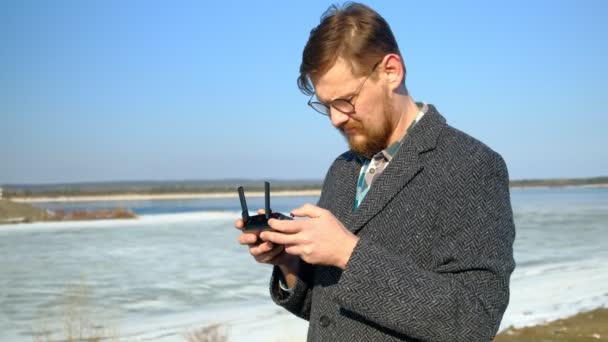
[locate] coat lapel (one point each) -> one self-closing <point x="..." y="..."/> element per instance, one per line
<point x="346" y="184"/>
<point x="400" y="171"/>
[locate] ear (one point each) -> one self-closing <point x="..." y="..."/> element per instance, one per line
<point x="393" y="71"/>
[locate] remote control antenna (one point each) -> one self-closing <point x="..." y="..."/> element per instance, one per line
<point x="245" y="211"/>
<point x="267" y="200"/>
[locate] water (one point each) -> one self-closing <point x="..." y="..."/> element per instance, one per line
<point x="179" y="267"/>
<point x="561" y="251"/>
<point x="152" y="207"/>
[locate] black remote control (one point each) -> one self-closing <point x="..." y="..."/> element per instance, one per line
<point x="259" y="222"/>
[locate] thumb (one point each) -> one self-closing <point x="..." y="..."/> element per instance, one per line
<point x="308" y="210"/>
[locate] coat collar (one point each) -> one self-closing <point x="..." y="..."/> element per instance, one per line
<point x="404" y="166"/>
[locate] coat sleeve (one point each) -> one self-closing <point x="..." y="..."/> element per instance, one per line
<point x="465" y="296"/>
<point x="299" y="298"/>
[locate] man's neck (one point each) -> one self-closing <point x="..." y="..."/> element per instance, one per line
<point x="408" y="110"/>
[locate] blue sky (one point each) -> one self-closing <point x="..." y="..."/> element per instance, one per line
<point x="131" y="90"/>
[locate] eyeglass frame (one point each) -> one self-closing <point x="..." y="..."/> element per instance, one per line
<point x="348" y="101"/>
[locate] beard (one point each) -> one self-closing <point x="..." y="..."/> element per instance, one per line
<point x="367" y="141"/>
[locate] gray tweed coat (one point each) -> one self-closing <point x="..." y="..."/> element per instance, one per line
<point x="436" y="246"/>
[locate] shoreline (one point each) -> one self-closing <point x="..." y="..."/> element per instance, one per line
<point x="194" y="195"/>
<point x="174" y="196"/>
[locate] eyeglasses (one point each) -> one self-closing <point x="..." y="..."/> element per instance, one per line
<point x="345" y="106"/>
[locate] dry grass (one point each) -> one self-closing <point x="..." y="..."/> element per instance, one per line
<point x="10" y="210"/>
<point x="211" y="333"/>
<point x="77" y="321"/>
<point x="588" y="326"/>
<point x="80" y="215"/>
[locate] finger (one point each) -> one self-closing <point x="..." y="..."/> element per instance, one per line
<point x="285" y="226"/>
<point x="270" y="255"/>
<point x="261" y="211"/>
<point x="247" y="239"/>
<point x="292" y="249"/>
<point x="262" y="248"/>
<point x="279" y="238"/>
<point x="308" y="210"/>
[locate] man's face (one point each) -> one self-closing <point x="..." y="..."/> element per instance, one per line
<point x="367" y="131"/>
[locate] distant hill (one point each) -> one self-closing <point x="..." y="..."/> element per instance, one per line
<point x="560" y="182"/>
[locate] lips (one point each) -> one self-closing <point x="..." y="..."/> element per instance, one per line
<point x="350" y="130"/>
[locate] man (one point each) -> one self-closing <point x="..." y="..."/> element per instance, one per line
<point x="412" y="237"/>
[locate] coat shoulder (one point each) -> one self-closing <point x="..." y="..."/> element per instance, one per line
<point x="460" y="144"/>
<point x="459" y="149"/>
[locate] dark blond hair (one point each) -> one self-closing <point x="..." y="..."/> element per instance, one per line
<point x="353" y="32"/>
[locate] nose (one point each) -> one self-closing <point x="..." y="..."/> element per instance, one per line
<point x="337" y="117"/>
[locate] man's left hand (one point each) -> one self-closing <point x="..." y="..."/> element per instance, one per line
<point x="321" y="239"/>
